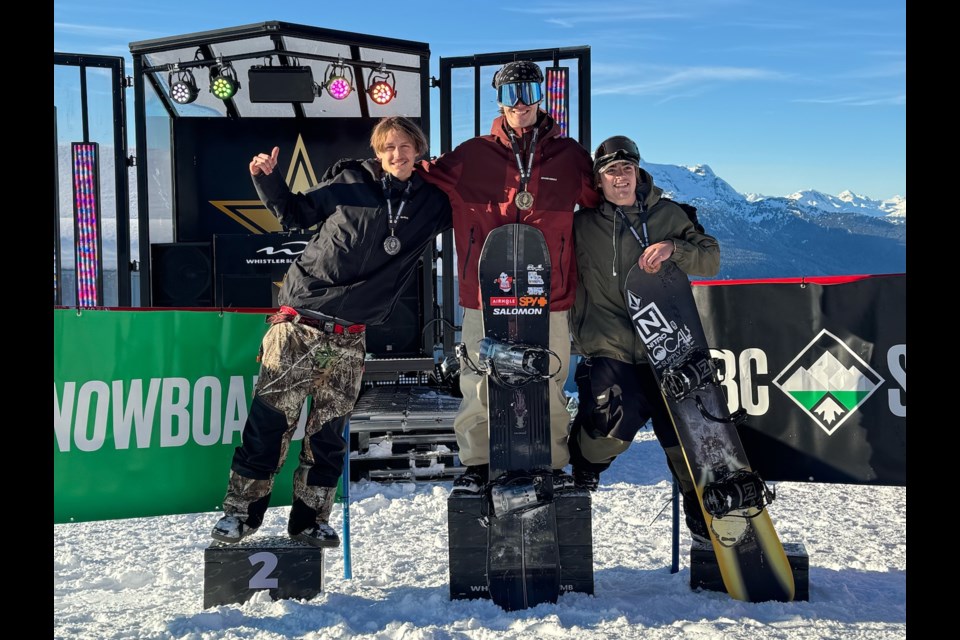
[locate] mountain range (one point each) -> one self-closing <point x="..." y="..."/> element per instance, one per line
<point x="807" y="233"/>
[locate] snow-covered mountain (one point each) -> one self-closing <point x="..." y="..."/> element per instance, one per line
<point x="807" y="233"/>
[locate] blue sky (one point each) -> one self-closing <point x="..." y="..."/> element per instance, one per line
<point x="774" y="96"/>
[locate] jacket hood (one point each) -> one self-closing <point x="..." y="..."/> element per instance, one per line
<point x="648" y="192"/>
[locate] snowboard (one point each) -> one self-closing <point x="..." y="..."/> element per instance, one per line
<point x="523" y="555"/>
<point x="749" y="553"/>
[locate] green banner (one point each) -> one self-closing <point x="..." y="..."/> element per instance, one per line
<point x="148" y="407"/>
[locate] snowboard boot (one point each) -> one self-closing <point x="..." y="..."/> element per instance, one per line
<point x="563" y="481"/>
<point x="472" y="479"/>
<point x="310" y="523"/>
<point x="231" y="529"/>
<point x="244" y="506"/>
<point x="586" y="479"/>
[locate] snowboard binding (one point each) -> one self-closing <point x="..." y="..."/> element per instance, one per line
<point x="737" y="491"/>
<point x="696" y="371"/>
<point x="515" y="493"/>
<point x="510" y="365"/>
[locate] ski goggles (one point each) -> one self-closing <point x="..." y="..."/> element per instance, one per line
<point x="617" y="151"/>
<point x="529" y="93"/>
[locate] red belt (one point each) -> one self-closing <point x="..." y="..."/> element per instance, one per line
<point x="289" y="314"/>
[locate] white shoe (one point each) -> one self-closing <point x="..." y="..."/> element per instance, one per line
<point x="231" y="529"/>
<point x="319" y="535"/>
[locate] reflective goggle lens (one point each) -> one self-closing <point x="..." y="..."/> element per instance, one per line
<point x="526" y="92"/>
<point x="623" y="146"/>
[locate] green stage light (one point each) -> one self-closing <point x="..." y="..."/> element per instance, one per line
<point x="223" y="82"/>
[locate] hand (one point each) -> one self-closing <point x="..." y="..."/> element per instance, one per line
<point x="263" y="163"/>
<point x="655" y="255"/>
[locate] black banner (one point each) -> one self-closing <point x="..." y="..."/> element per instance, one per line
<point x="821" y="369"/>
<point x="214" y="192"/>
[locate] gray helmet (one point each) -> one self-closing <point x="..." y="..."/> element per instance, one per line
<point x="519" y="71"/>
<point x="615" y="149"/>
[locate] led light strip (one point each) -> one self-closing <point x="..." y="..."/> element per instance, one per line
<point x="86" y="212"/>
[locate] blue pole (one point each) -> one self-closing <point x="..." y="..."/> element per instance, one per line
<point x="345" y="496"/>
<point x="675" y="559"/>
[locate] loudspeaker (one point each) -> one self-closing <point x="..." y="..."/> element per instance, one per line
<point x="181" y="274"/>
<point x="244" y="291"/>
<point x="280" y="84"/>
<point x="247" y="267"/>
<point x="399" y="336"/>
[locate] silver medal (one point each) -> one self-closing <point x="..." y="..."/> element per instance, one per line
<point x="392" y="245"/>
<point x="524" y="200"/>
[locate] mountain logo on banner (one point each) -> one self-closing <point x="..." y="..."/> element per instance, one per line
<point x="828" y="380"/>
<point x="256" y="218"/>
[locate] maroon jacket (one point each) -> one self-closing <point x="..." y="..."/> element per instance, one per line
<point x="481" y="179"/>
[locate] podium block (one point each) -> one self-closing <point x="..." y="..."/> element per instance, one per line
<point x="233" y="573"/>
<point x="705" y="573"/>
<point x="468" y="544"/>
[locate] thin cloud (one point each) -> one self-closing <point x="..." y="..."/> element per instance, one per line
<point x="97" y="31"/>
<point x="892" y="70"/>
<point x="685" y="79"/>
<point x="571" y="15"/>
<point x="858" y="101"/>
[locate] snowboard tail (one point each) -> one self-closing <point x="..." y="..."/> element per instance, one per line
<point x="751" y="558"/>
<point x="523" y="553"/>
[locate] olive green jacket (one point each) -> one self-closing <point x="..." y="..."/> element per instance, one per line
<point x="606" y="250"/>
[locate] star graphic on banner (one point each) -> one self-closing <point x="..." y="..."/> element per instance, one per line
<point x="256" y="218"/>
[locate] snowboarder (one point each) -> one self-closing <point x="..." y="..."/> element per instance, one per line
<point x="374" y="219"/>
<point x="617" y="390"/>
<point x="523" y="172"/>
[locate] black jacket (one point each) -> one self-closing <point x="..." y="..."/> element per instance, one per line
<point x="344" y="270"/>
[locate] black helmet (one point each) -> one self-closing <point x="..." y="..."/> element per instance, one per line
<point x="615" y="149"/>
<point x="519" y="71"/>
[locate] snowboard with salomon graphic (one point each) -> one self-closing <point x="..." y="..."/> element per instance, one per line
<point x="523" y="563"/>
<point x="733" y="498"/>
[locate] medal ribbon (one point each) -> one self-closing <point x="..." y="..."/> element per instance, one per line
<point x="391" y="220"/>
<point x="524" y="173"/>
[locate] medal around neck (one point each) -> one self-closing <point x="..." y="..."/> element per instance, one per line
<point x="523" y="200"/>
<point x="392" y="245"/>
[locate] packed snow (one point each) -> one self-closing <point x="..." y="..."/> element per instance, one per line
<point x="143" y="578"/>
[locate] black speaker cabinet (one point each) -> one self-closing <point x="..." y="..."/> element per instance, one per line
<point x="249" y="268"/>
<point x="399" y="336"/>
<point x="181" y="274"/>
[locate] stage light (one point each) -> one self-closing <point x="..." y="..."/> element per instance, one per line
<point x="336" y="80"/>
<point x="223" y="81"/>
<point x="383" y="86"/>
<point x="183" y="86"/>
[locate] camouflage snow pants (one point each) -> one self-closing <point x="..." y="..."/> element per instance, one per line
<point x="296" y="361"/>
